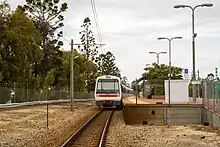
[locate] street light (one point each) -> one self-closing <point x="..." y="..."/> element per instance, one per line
<point x="169" y="39"/>
<point x="160" y="38"/>
<point x="157" y="55"/>
<point x="201" y="5"/>
<point x="193" y="39"/>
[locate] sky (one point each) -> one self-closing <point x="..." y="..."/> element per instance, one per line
<point x="130" y="29"/>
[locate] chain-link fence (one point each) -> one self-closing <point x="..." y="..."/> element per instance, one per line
<point x="19" y="95"/>
<point x="211" y="94"/>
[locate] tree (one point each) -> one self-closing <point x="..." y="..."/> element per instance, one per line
<point x="18" y="51"/>
<point x="124" y="80"/>
<point x="90" y="52"/>
<point x="5" y="9"/>
<point x="79" y="70"/>
<point x="30" y="55"/>
<point x="17" y="44"/>
<point x="81" y="67"/>
<point x="106" y="64"/>
<point x="48" y="18"/>
<point x="161" y="72"/>
<point x="49" y="79"/>
<point x="93" y="74"/>
<point x="156" y="74"/>
<point x="136" y="87"/>
<point x="88" y="40"/>
<point x="4" y="16"/>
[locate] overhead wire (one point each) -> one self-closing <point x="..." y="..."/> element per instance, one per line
<point x="97" y="24"/>
<point x="66" y="39"/>
<point x="95" y="18"/>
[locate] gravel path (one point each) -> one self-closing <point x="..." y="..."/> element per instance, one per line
<point x="28" y="127"/>
<point x="121" y="135"/>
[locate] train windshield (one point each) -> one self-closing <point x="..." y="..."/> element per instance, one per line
<point x="108" y="86"/>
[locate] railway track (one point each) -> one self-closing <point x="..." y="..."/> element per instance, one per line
<point x="93" y="133"/>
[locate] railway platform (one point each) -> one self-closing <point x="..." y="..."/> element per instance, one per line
<point x="157" y="111"/>
<point x="132" y="100"/>
<point x="156" y="100"/>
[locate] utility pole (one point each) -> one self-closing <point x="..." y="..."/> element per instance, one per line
<point x="71" y="77"/>
<point x="72" y="72"/>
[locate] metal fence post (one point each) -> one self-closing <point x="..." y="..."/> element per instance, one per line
<point x="203" y="92"/>
<point x="207" y="93"/>
<point x="136" y="91"/>
<point x="14" y="92"/>
<point x="27" y="92"/>
<point x="213" y="97"/>
<point x="47" y="106"/>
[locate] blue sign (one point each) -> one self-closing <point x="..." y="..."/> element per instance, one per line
<point x="185" y="71"/>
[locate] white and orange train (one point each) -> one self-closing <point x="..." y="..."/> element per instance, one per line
<point x="109" y="91"/>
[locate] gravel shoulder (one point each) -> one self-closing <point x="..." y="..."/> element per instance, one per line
<point x="28" y="126"/>
<point x="122" y="135"/>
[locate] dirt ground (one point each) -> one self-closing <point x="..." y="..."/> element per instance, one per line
<point x="122" y="135"/>
<point x="28" y="126"/>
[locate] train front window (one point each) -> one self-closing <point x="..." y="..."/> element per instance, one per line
<point x="108" y="86"/>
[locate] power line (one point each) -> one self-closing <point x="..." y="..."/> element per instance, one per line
<point x="97" y="23"/>
<point x="66" y="40"/>
<point x="96" y="20"/>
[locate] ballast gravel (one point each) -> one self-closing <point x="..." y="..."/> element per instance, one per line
<point x="27" y="127"/>
<point x="121" y="135"/>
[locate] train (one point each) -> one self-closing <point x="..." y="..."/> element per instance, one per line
<point x="109" y="92"/>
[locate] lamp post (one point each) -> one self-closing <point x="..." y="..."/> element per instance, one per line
<point x="193" y="39"/>
<point x="71" y="76"/>
<point x="158" y="55"/>
<point x="169" y="39"/>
